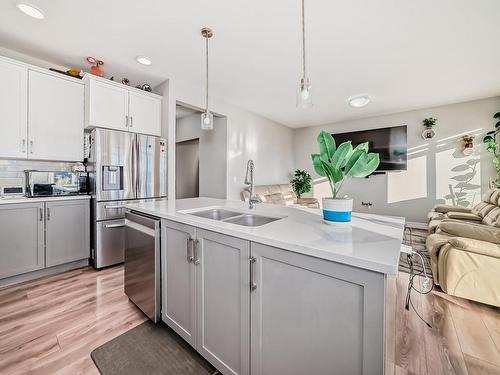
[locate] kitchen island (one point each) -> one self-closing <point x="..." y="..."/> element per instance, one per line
<point x="291" y="296"/>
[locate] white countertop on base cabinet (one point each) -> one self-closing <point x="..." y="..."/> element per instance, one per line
<point x="370" y="242"/>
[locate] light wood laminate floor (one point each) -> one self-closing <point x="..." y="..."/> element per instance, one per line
<point x="50" y="326"/>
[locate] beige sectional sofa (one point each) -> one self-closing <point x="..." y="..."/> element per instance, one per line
<point x="280" y="194"/>
<point x="464" y="245"/>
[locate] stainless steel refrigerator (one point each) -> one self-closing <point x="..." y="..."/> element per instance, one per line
<point x="123" y="167"/>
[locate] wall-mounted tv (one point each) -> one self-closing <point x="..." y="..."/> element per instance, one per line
<point x="390" y="143"/>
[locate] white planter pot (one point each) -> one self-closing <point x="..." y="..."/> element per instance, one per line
<point x="337" y="210"/>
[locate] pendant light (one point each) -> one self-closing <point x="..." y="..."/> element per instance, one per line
<point x="304" y="98"/>
<point x="207" y="118"/>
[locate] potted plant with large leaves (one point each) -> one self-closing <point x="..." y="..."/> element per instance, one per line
<point x="338" y="164"/>
<point x="490" y="140"/>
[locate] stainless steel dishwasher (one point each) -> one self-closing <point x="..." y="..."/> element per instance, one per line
<point x="142" y="263"/>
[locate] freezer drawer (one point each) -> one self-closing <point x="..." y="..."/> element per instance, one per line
<point x="109" y="242"/>
<point x="111" y="210"/>
<point x="142" y="263"/>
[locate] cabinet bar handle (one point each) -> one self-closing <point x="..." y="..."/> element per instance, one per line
<point x="126" y="121"/>
<point x="189" y="249"/>
<point x="41" y="214"/>
<point x="48" y="213"/>
<point x="131" y="121"/>
<point x="195" y="252"/>
<point x="23" y="145"/>
<point x="253" y="284"/>
<point x="31" y="147"/>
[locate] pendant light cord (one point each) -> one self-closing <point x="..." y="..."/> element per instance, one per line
<point x="303" y="41"/>
<point x="206" y="102"/>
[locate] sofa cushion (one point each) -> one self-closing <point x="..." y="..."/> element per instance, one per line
<point x="470" y="230"/>
<point x="433" y="215"/>
<point x="463" y="216"/>
<point x="494" y="197"/>
<point x="493" y="217"/>
<point x="482" y="208"/>
<point x="444" y="208"/>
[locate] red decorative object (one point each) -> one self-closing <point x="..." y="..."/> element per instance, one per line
<point x="95" y="68"/>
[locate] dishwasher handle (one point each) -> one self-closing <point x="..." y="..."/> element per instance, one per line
<point x="144" y="224"/>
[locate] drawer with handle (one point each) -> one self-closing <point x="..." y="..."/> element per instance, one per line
<point x="110" y="210"/>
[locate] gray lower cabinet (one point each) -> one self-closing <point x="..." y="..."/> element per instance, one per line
<point x="67" y="231"/>
<point x="223" y="300"/>
<point x="206" y="295"/>
<point x="254" y="309"/>
<point x="310" y="316"/>
<point x="179" y="283"/>
<point x="21" y="238"/>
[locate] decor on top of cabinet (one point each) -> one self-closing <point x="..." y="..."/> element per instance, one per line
<point x="468" y="144"/>
<point x="337" y="164"/>
<point x="95" y="69"/>
<point x="126" y="81"/>
<point x="301" y="182"/>
<point x="70" y="72"/>
<point x="429" y="123"/>
<point x="492" y="147"/>
<point x="144" y="87"/>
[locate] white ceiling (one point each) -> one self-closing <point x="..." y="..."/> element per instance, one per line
<point x="406" y="54"/>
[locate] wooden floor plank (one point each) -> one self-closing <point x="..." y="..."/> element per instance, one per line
<point x="478" y="367"/>
<point x="491" y="319"/>
<point x="410" y="352"/>
<point x="442" y="348"/>
<point x="475" y="340"/>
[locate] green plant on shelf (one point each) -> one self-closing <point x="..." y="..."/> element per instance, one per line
<point x="490" y="140"/>
<point x="301" y="182"/>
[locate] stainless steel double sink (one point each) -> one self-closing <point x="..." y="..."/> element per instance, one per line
<point x="234" y="217"/>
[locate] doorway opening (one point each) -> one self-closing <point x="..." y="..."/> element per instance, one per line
<point x="200" y="155"/>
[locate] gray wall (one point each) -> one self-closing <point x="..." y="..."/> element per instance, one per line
<point x="212" y="152"/>
<point x="438" y="172"/>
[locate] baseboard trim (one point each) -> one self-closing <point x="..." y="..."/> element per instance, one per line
<point x="43" y="273"/>
<point x="416" y="225"/>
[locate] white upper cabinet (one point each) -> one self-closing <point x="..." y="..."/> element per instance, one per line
<point x="115" y="106"/>
<point x="13" y="110"/>
<point x="55" y="118"/>
<point x="145" y="114"/>
<point x="107" y="105"/>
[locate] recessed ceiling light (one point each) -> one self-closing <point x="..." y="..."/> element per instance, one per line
<point x="30" y="10"/>
<point x="359" y="101"/>
<point x="143" y="60"/>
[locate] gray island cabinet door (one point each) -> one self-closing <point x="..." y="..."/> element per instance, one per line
<point x="21" y="238"/>
<point x="178" y="284"/>
<point x="311" y="316"/>
<point x="223" y="300"/>
<point x="68" y="231"/>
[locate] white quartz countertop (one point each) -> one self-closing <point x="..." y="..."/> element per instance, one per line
<point x="370" y="241"/>
<point x="16" y="200"/>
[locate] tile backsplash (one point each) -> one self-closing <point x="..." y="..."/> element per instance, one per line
<point x="12" y="171"/>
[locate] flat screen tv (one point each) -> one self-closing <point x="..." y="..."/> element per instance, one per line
<point x="390" y="143"/>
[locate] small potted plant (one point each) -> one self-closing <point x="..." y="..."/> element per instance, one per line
<point x="337" y="164"/>
<point x="301" y="182"/>
<point x="429" y="123"/>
